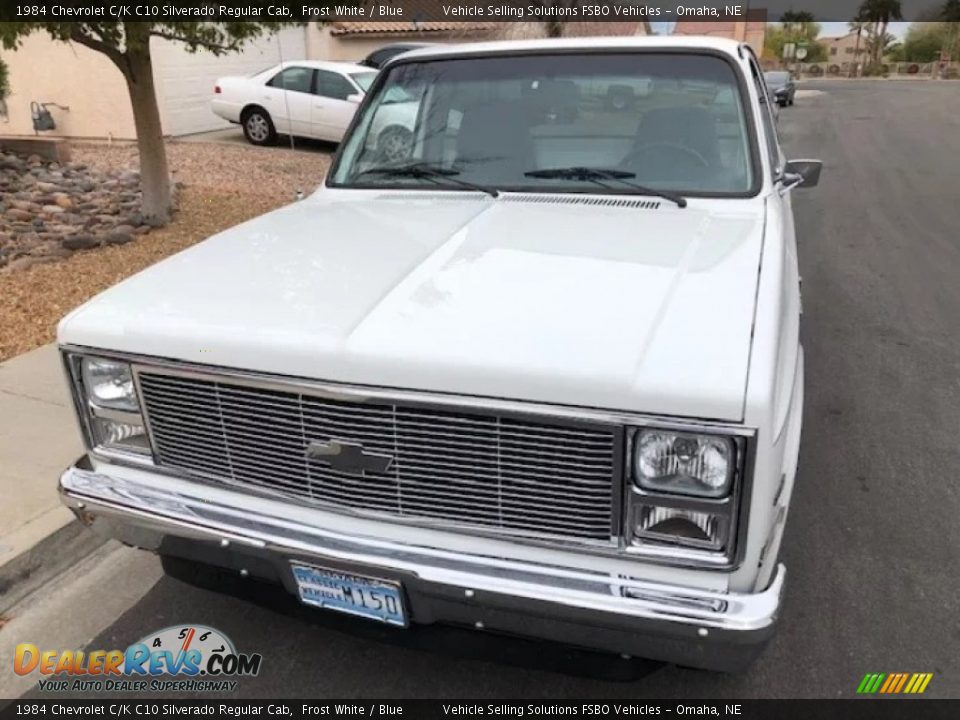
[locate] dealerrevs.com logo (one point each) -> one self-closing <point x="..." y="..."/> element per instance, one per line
<point x="177" y="658"/>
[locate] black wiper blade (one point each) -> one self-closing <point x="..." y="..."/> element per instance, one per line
<point x="427" y="171"/>
<point x="598" y="175"/>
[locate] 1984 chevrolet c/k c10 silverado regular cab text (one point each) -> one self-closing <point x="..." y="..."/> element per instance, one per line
<point x="540" y="374"/>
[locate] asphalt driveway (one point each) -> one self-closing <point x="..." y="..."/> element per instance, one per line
<point x="873" y="539"/>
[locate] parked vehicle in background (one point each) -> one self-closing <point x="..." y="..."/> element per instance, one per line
<point x="379" y="57"/>
<point x="303" y="98"/>
<point x="781" y="86"/>
<point x="540" y="375"/>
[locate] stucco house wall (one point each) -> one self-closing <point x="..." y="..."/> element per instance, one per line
<point x="69" y="74"/>
<point x="47" y="70"/>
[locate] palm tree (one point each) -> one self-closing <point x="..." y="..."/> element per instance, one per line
<point x="879" y="13"/>
<point x="858" y="25"/>
<point x="880" y="45"/>
<point x="799" y="24"/>
<point x="951" y="14"/>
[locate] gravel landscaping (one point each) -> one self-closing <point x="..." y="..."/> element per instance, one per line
<point x="221" y="186"/>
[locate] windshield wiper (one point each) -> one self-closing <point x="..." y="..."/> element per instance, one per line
<point x="427" y="171"/>
<point x="598" y="175"/>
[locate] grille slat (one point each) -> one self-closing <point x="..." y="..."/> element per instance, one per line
<point x="471" y="468"/>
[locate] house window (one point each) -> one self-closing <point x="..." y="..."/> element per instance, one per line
<point x="833" y="51"/>
<point x="849" y="51"/>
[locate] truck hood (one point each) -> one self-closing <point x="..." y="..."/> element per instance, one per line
<point x="573" y="300"/>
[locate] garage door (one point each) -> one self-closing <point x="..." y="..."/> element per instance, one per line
<point x="185" y="80"/>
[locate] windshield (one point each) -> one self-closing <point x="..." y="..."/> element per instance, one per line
<point x="666" y="121"/>
<point x="777" y="78"/>
<point x="364" y="79"/>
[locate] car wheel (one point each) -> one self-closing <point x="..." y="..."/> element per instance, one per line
<point x="258" y="127"/>
<point x="395" y="144"/>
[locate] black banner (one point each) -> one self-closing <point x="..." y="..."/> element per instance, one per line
<point x="859" y="709"/>
<point x="421" y="11"/>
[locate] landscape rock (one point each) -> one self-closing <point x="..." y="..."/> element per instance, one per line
<point x="48" y="210"/>
<point x="18" y="214"/>
<point x="80" y="241"/>
<point x="120" y="235"/>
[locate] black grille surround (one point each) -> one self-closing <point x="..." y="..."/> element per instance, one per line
<point x="519" y="475"/>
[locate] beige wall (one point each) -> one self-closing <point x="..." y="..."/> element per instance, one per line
<point x="68" y="74"/>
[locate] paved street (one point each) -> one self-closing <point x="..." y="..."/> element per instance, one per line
<point x="873" y="540"/>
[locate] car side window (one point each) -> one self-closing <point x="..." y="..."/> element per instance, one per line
<point x="296" y="79"/>
<point x="334" y="86"/>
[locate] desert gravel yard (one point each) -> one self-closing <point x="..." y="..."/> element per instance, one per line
<point x="222" y="186"/>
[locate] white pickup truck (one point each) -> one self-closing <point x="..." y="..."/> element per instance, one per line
<point x="539" y="373"/>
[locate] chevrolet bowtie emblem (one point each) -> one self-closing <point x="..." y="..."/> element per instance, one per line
<point x="348" y="457"/>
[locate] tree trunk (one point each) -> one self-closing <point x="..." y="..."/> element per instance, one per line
<point x="856" y="55"/>
<point x="154" y="173"/>
<point x="881" y="42"/>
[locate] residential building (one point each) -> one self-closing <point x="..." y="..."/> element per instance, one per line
<point x="844" y="49"/>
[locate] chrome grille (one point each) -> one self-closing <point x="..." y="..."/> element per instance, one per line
<point x="465" y="467"/>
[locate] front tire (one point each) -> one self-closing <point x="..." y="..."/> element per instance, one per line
<point x="258" y="127"/>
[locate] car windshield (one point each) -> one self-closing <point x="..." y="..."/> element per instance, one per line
<point x="364" y="79"/>
<point x="777" y="78"/>
<point x="599" y="122"/>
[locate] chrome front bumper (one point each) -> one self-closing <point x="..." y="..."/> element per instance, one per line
<point x="688" y="626"/>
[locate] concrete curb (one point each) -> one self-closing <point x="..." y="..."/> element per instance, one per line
<point x="49" y="558"/>
<point x="38" y="439"/>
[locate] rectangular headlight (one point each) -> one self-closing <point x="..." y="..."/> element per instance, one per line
<point x="108" y="404"/>
<point x="109" y="384"/>
<point x="684" y="495"/>
<point x="684" y="463"/>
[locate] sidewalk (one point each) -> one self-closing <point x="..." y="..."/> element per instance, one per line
<point x="38" y="439"/>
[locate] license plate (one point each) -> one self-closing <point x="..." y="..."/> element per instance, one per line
<point x="354" y="594"/>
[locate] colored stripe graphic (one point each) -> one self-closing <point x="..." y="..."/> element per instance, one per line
<point x="903" y="680"/>
<point x="894" y="683"/>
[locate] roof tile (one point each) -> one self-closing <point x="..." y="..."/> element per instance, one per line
<point x="394" y="28"/>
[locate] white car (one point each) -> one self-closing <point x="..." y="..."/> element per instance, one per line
<point x="542" y="376"/>
<point x="304" y="98"/>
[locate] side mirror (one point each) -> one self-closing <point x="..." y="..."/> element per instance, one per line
<point x="801" y="173"/>
<point x="355" y="98"/>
